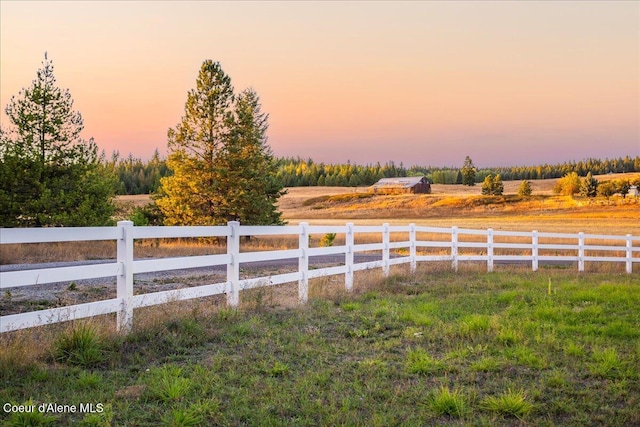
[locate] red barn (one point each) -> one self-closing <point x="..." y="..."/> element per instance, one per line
<point x="404" y="185"/>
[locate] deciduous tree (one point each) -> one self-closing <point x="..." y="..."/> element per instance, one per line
<point x="568" y="185"/>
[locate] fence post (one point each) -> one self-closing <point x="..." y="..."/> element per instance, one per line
<point x="385" y="249"/>
<point x="348" y="258"/>
<point x="490" y="250"/>
<point x="303" y="264"/>
<point x="412" y="247"/>
<point x="233" y="268"/>
<point x="454" y="248"/>
<point x="629" y="254"/>
<point x="534" y="250"/>
<point x="125" y="276"/>
<point x="581" y="251"/>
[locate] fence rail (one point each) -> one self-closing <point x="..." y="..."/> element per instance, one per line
<point x="415" y="244"/>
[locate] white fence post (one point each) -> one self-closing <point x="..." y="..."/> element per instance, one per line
<point x="534" y="250"/>
<point x="412" y="247"/>
<point x="233" y="268"/>
<point x="581" y="251"/>
<point x="303" y="264"/>
<point x="348" y="258"/>
<point x="125" y="276"/>
<point x="385" y="249"/>
<point x="454" y="248"/>
<point x="490" y="250"/>
<point x="629" y="254"/>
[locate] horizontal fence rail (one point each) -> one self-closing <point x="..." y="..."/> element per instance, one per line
<point x="410" y="244"/>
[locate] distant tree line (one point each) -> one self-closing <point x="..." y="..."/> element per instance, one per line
<point x="139" y="177"/>
<point x="136" y="176"/>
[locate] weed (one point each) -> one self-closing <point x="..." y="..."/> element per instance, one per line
<point x="80" y="345"/>
<point x="508" y="336"/>
<point x="510" y="403"/>
<point x="474" y="325"/>
<point x="574" y="349"/>
<point x="350" y="306"/>
<point x="29" y="415"/>
<point x="98" y="419"/>
<point x="448" y="402"/>
<point x="486" y="364"/>
<point x="328" y="239"/>
<point x="277" y="369"/>
<point x="89" y="379"/>
<point x="167" y="384"/>
<point x="557" y="378"/>
<point x="182" y="418"/>
<point x="420" y="362"/>
<point x="606" y="364"/>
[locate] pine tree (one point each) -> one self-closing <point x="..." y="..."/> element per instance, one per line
<point x="191" y="195"/>
<point x="498" y="187"/>
<point x="589" y="186"/>
<point x="222" y="166"/>
<point x="468" y="172"/>
<point x="487" y="185"/>
<point x="525" y="189"/>
<point x="49" y="175"/>
<point x="492" y="185"/>
<point x="249" y="170"/>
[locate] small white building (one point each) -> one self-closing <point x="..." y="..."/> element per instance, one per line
<point x="633" y="191"/>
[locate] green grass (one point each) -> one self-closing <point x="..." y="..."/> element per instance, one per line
<point x="437" y="348"/>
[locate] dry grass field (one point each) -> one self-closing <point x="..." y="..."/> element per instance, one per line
<point x="447" y="206"/>
<point x="463" y="206"/>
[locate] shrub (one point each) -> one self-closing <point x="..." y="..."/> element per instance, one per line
<point x="525" y="189"/>
<point x="568" y="185"/>
<point x="607" y="189"/>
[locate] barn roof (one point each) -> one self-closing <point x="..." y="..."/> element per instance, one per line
<point x="403" y="182"/>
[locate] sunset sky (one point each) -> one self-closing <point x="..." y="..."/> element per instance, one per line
<point x="423" y="83"/>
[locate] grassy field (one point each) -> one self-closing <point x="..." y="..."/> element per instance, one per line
<point x="435" y="348"/>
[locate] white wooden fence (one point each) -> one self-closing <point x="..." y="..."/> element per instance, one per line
<point x="453" y="245"/>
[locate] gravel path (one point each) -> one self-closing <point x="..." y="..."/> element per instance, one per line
<point x="38" y="297"/>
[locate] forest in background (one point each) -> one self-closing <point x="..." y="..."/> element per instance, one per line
<point x="137" y="176"/>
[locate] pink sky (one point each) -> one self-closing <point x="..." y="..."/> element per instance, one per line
<point x="426" y="83"/>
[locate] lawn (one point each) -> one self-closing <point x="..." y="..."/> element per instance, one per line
<point x="434" y="348"/>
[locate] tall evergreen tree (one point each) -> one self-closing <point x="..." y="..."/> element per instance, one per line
<point x="468" y="172"/>
<point x="222" y="168"/>
<point x="191" y="195"/>
<point x="49" y="175"/>
<point x="248" y="170"/>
